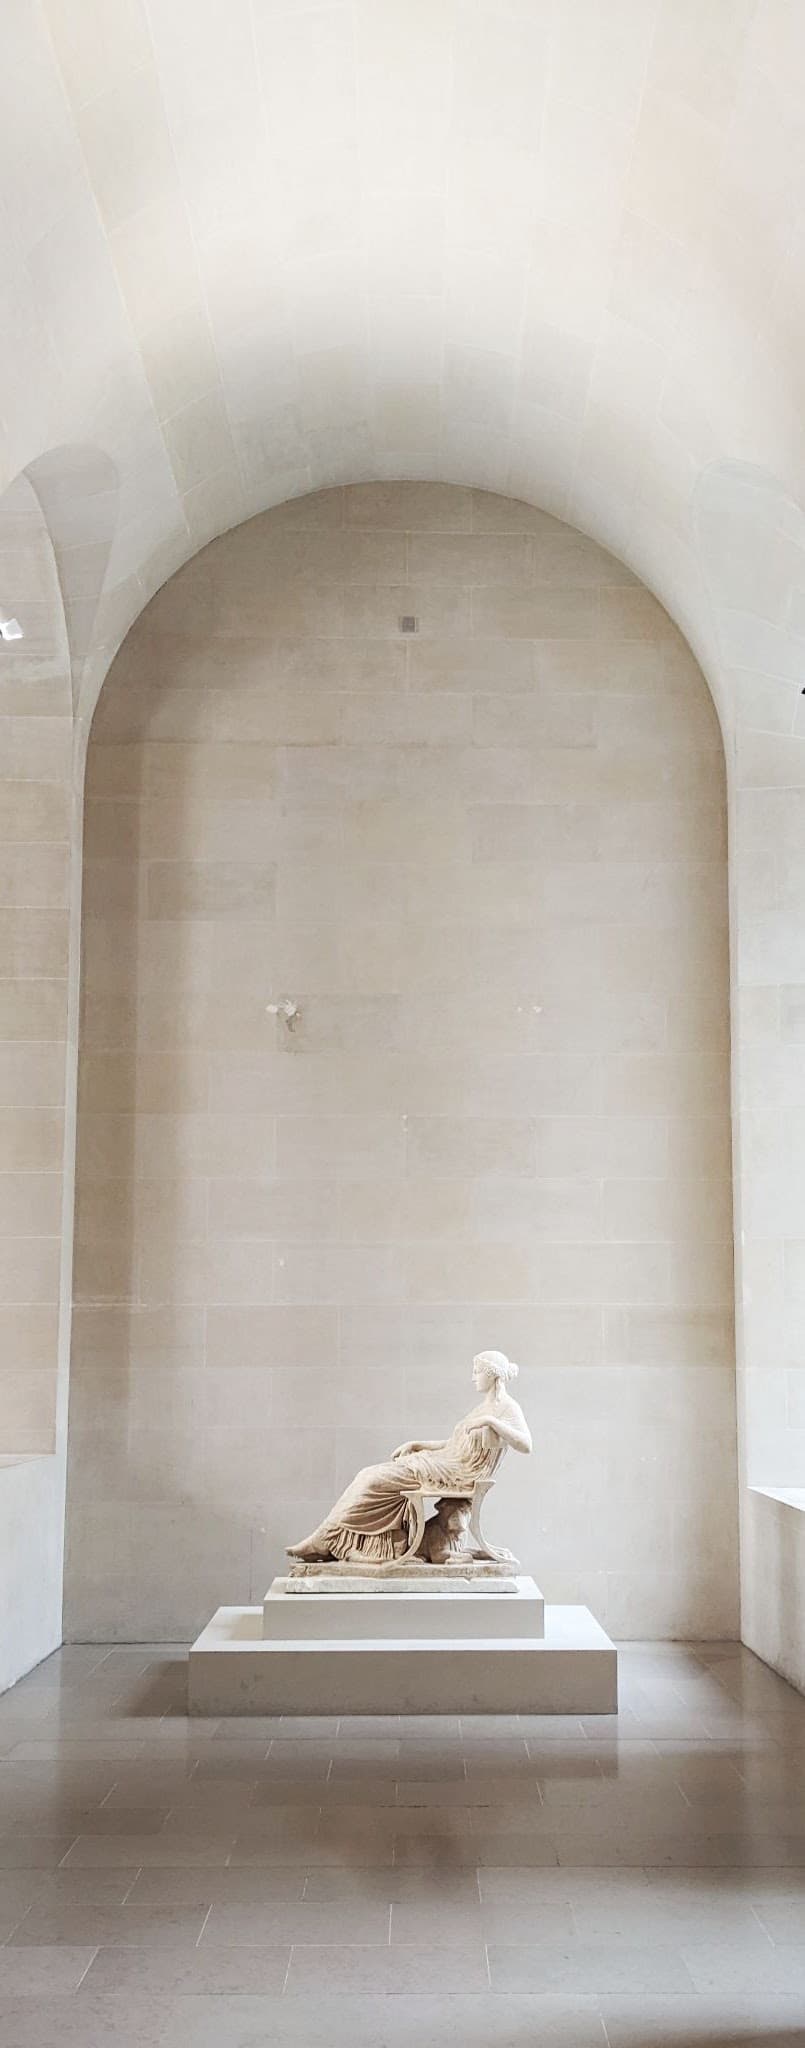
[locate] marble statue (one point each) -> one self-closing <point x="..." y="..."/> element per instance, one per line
<point x="378" y="1519"/>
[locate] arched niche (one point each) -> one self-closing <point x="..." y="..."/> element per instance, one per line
<point x="488" y="859"/>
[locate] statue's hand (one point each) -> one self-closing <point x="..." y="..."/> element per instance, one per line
<point x="405" y="1450"/>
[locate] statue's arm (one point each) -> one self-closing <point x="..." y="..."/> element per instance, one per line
<point x="512" y="1430"/>
<point x="431" y="1444"/>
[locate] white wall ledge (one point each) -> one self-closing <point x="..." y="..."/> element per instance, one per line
<point x="11" y="1459"/>
<point x="789" y="1496"/>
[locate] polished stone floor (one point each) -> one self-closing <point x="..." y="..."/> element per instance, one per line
<point x="475" y="1883"/>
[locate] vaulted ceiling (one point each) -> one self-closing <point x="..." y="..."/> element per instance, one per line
<point x="551" y="247"/>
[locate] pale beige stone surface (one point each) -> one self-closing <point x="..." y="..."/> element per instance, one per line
<point x="340" y="1881"/>
<point x="575" y="277"/>
<point x="35" y="846"/>
<point x="498" y="1119"/>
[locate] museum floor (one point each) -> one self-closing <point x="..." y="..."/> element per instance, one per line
<point x="497" y="1883"/>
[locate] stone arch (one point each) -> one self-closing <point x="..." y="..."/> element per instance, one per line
<point x="56" y="531"/>
<point x="279" y="648"/>
<point x="750" y="533"/>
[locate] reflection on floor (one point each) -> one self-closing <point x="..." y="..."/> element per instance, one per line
<point x="493" y="1883"/>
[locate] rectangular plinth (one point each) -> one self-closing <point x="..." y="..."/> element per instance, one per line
<point x="418" y="1613"/>
<point x="572" y="1669"/>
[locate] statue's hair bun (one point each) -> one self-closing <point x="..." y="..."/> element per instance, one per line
<point x="503" y="1368"/>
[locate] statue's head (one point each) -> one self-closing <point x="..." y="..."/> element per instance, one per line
<point x="491" y="1367"/>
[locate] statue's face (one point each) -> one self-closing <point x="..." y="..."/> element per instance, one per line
<point x="482" y="1376"/>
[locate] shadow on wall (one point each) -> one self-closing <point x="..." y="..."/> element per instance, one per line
<point x="132" y="1379"/>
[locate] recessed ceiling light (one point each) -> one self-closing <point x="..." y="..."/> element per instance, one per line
<point x="10" y="629"/>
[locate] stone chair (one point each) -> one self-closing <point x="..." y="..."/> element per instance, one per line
<point x="475" y="1493"/>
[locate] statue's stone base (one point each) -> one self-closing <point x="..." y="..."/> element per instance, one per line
<point x="423" y="1609"/>
<point x="571" y="1669"/>
<point x="480" y="1572"/>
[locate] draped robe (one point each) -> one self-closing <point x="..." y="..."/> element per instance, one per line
<point x="373" y="1518"/>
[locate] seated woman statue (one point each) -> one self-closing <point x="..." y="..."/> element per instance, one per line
<point x="374" y="1521"/>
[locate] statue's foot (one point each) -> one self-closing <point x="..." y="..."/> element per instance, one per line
<point x="309" y="1551"/>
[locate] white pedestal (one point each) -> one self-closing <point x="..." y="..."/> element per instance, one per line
<point x="571" y="1669"/>
<point x="302" y="1610"/>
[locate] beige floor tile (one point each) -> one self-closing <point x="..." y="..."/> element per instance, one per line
<point x="367" y="1792"/>
<point x="451" y="1823"/>
<point x="244" y="1766"/>
<point x="209" y="1968"/>
<point x="420" y="1727"/>
<point x="613" y="1808"/>
<point x="733" y="2021"/>
<point x="654" y="1918"/>
<point x="42" y="1849"/>
<point x="241" y="1728"/>
<point x="289" y="1753"/>
<point x="209" y="1887"/>
<point x="526" y="1851"/>
<point x="117" y="1852"/>
<point x="782" y="1919"/>
<point x="369" y="1854"/>
<point x="433" y="1888"/>
<point x="321" y="2021"/>
<point x="746" y="1964"/>
<point x="18" y="1889"/>
<point x="316" y="1727"/>
<point x="514" y="1884"/>
<point x="309" y="1923"/>
<point x="42" y="1972"/>
<point x="208" y="1799"/>
<point x="470" y="1792"/>
<point x="762" y="1887"/>
<point x="679" y="1850"/>
<point x="284" y="1791"/>
<point x="100" y="1750"/>
<point x="378" y="1764"/>
<point x="539" y="1729"/>
<point x="417" y="1764"/>
<point x="588" y="1967"/>
<point x="576" y="1761"/>
<point x="123" y="1820"/>
<point x="391" y="1971"/>
<point x="372" y="1728"/>
<point x="450" y="1927"/>
<point x="87" y="1887"/>
<point x="510" y="1752"/>
<point x="52" y="1921"/>
<point x="80" y="2020"/>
